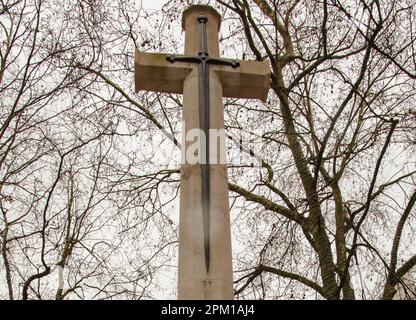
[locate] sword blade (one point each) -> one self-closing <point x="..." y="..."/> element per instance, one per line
<point x="204" y="120"/>
<point x="204" y="60"/>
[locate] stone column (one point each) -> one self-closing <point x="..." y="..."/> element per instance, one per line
<point x="194" y="281"/>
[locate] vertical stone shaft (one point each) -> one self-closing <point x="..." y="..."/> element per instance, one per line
<point x="194" y="282"/>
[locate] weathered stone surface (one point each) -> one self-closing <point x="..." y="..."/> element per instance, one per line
<point x="154" y="73"/>
<point x="191" y="28"/>
<point x="193" y="280"/>
<point x="251" y="80"/>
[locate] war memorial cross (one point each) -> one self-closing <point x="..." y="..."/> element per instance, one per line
<point x="205" y="256"/>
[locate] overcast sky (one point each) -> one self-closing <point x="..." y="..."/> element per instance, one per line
<point x="153" y="4"/>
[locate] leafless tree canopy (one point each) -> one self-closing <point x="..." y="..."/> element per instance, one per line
<point x="89" y="170"/>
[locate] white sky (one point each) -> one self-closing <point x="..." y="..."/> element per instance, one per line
<point x="153" y="4"/>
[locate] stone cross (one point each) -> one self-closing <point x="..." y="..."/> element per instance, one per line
<point x="205" y="258"/>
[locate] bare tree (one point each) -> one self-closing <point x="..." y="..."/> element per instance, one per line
<point x="342" y="83"/>
<point x="78" y="207"/>
<point x="89" y="169"/>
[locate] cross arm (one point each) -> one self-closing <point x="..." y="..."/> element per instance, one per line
<point x="152" y="72"/>
<point x="250" y="80"/>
